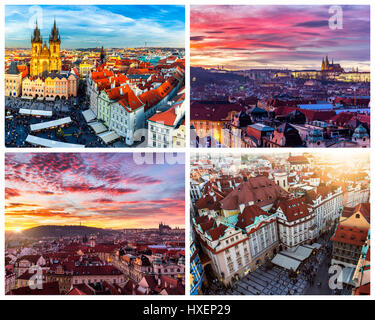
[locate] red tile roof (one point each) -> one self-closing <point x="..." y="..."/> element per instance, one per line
<point x="212" y="112"/>
<point x="363" y="290"/>
<point x="292" y="208"/>
<point x="33" y="258"/>
<point x="260" y="190"/>
<point x="125" y="96"/>
<point x="154" y="96"/>
<point x="363" y="208"/>
<point x="101" y="74"/>
<point x="217" y="232"/>
<point x="95" y="270"/>
<point x="350" y="235"/>
<point x="248" y="216"/>
<point x="167" y="118"/>
<point x="76" y="292"/>
<point x="298" y="160"/>
<point x="49" y="288"/>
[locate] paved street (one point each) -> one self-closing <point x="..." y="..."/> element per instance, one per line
<point x="17" y="127"/>
<point x="313" y="279"/>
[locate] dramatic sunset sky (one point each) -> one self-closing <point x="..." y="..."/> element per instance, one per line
<point x="105" y="190"/>
<point x="294" y="37"/>
<point x="94" y="26"/>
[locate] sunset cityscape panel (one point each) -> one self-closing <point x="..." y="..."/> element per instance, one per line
<point x="94" y="223"/>
<point x="280" y="223"/>
<point x="280" y="76"/>
<point x="94" y="76"/>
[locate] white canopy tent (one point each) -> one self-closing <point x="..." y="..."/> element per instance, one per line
<point x="98" y="127"/>
<point x="89" y="115"/>
<point x="291" y="259"/>
<point x="108" y="136"/>
<point x="347" y="275"/>
<point x="51" y="143"/>
<point x="316" y="245"/>
<point x="300" y="253"/>
<point x="286" y="262"/>
<point x="50" y="124"/>
<point x="32" y="112"/>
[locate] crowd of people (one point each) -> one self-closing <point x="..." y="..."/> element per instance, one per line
<point x="17" y="126"/>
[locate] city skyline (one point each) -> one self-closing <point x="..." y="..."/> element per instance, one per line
<point x="104" y="190"/>
<point x="96" y="26"/>
<point x="293" y="37"/>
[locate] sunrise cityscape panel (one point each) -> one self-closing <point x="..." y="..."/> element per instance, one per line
<point x="280" y="76"/>
<point x="94" y="224"/>
<point x="280" y="223"/>
<point x="95" y="76"/>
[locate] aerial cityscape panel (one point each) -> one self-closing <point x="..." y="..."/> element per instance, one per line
<point x="94" y="224"/>
<point x="95" y="76"/>
<point x="280" y="76"/>
<point x="280" y="223"/>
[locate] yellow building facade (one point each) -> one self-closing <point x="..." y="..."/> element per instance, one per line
<point x="44" y="58"/>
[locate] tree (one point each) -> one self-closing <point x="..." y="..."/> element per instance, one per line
<point x="60" y="133"/>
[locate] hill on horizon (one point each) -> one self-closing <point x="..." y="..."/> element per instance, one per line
<point x="204" y="76"/>
<point x="56" y="231"/>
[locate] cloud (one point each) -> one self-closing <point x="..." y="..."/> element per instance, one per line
<point x="87" y="26"/>
<point x="98" y="188"/>
<point x="197" y="38"/>
<point x="313" y="24"/>
<point x="11" y="193"/>
<point x="266" y="36"/>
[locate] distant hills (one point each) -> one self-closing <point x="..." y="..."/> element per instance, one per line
<point x="52" y="231"/>
<point x="205" y="76"/>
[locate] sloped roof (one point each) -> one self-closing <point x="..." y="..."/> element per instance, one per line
<point x="293" y="208"/>
<point x="260" y="190"/>
<point x="350" y="235"/>
<point x="247" y="217"/>
<point x="167" y="117"/>
<point x="217" y="232"/>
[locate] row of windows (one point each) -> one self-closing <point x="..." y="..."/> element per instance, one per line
<point x="11" y="81"/>
<point x="157" y="129"/>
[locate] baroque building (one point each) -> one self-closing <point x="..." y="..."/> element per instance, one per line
<point x="44" y="58"/>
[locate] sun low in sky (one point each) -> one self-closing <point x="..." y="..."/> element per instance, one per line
<point x="87" y="26"/>
<point x="280" y="37"/>
<point x="104" y="190"/>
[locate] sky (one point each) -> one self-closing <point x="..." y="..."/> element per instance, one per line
<point x="104" y="190"/>
<point x="293" y="37"/>
<point x="94" y="26"/>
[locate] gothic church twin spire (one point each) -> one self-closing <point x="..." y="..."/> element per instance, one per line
<point x="54" y="36"/>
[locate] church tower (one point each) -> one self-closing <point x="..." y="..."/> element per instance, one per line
<point x="281" y="179"/>
<point x="54" y="47"/>
<point x="102" y="55"/>
<point x="36" y="47"/>
<point x="44" y="59"/>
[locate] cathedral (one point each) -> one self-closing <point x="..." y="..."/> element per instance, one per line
<point x="333" y="67"/>
<point x="44" y="59"/>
